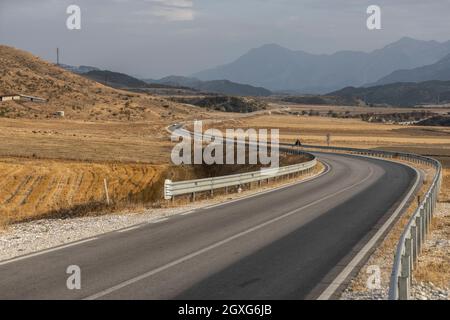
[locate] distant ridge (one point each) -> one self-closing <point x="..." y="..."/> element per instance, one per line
<point x="437" y="71"/>
<point x="214" y="86"/>
<point x="403" y="94"/>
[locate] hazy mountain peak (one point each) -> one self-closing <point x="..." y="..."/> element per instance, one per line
<point x="408" y="42"/>
<point x="277" y="68"/>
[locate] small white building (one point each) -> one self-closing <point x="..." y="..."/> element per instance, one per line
<point x="21" y="97"/>
<point x="10" y="97"/>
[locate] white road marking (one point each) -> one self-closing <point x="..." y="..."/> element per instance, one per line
<point x="130" y="228"/>
<point x="220" y="243"/>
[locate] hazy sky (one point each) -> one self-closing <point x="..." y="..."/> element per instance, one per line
<point x="154" y="38"/>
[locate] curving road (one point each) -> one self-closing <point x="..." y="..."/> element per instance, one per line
<point x="290" y="243"/>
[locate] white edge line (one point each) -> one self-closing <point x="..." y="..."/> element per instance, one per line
<point x="187" y="213"/>
<point x="130" y="228"/>
<point x="342" y="276"/>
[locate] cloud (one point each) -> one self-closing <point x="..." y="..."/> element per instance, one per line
<point x="172" y="10"/>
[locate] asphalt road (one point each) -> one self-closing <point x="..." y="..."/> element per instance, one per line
<point x="286" y="244"/>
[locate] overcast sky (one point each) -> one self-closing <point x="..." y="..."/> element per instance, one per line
<point x="155" y="38"/>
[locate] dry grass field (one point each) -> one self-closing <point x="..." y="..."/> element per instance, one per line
<point x="353" y="110"/>
<point x="37" y="188"/>
<point x="85" y="141"/>
<point x="431" y="141"/>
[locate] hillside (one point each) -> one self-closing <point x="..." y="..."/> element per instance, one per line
<point x="280" y="69"/>
<point x="408" y="94"/>
<point x="322" y="100"/>
<point x="224" y="103"/>
<point x="80" y="98"/>
<point x="213" y="86"/>
<point x="437" y="71"/>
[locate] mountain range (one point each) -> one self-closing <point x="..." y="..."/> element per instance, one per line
<point x="280" y="69"/>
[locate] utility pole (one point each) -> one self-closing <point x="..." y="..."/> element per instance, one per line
<point x="57" y="56"/>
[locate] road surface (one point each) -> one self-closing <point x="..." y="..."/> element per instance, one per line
<point x="286" y="244"/>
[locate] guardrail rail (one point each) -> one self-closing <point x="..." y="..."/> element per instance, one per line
<point x="172" y="189"/>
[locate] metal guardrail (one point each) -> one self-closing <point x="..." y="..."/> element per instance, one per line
<point x="415" y="232"/>
<point x="172" y="189"/>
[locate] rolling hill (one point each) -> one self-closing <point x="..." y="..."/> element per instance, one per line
<point x="78" y="97"/>
<point x="224" y="103"/>
<point x="281" y="69"/>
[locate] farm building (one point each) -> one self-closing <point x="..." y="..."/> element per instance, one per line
<point x="20" y="97"/>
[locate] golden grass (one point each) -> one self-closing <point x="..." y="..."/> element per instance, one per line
<point x="86" y="141"/>
<point x="33" y="188"/>
<point x="348" y="132"/>
<point x="445" y="190"/>
<point x="434" y="265"/>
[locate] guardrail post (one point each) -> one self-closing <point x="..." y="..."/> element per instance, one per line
<point x="409" y="251"/>
<point x="424" y="226"/>
<point x="414" y="246"/>
<point x="168" y="189"/>
<point x="419" y="234"/>
<point x="404" y="279"/>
